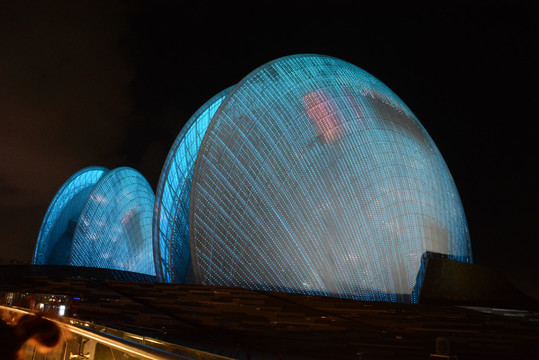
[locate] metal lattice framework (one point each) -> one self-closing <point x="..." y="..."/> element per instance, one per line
<point x="313" y="177"/>
<point x="308" y="176"/>
<point x="56" y="233"/>
<point x="114" y="230"/>
<point x="171" y="212"/>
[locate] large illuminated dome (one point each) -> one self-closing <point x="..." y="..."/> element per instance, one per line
<point x="100" y="218"/>
<point x="313" y="177"/>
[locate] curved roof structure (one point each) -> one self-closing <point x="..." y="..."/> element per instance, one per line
<point x="114" y="230"/>
<point x="56" y="233"/>
<point x="308" y="176"/>
<point x="171" y="213"/>
<point x="313" y="177"/>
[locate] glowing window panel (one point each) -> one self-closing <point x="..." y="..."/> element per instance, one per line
<point x="114" y="230"/>
<point x="171" y="213"/>
<point x="56" y="234"/>
<point x="313" y="177"/>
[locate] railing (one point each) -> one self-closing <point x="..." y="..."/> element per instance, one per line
<point x="81" y="342"/>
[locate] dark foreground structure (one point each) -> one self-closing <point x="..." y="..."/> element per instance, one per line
<point x="254" y="324"/>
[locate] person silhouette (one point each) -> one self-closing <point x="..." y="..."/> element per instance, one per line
<point x="44" y="333"/>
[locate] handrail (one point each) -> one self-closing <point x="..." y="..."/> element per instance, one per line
<point x="127" y="346"/>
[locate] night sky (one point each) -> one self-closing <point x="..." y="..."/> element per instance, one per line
<point x="112" y="83"/>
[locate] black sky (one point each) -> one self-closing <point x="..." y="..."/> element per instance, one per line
<point x="112" y="83"/>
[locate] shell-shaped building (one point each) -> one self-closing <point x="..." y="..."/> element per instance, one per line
<point x="56" y="234"/>
<point x="100" y="218"/>
<point x="171" y="213"/>
<point x="308" y="176"/>
<point x="312" y="177"/>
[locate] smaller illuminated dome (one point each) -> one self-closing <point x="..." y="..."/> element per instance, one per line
<point x="56" y="233"/>
<point x="106" y="223"/>
<point x="115" y="226"/>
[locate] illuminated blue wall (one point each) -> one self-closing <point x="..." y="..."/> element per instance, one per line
<point x="56" y="234"/>
<point x="313" y="177"/>
<point x="308" y="176"/>
<point x="114" y="230"/>
<point x="100" y="218"/>
<point x="171" y="213"/>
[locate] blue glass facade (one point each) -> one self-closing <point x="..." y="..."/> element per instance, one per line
<point x="171" y="213"/>
<point x="100" y="218"/>
<point x="313" y="177"/>
<point x="56" y="233"/>
<point x="114" y="230"/>
<point x="308" y="176"/>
